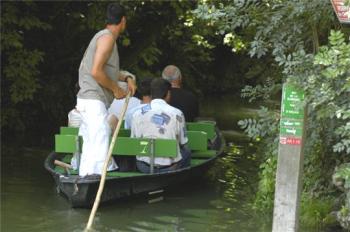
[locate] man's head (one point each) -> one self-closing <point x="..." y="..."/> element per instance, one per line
<point x="144" y="87"/>
<point x="172" y="74"/>
<point x="160" y="88"/>
<point x="115" y="15"/>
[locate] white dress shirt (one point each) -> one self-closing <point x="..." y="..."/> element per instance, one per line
<point x="159" y="120"/>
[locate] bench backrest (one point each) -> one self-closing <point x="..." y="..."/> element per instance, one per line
<point x="75" y="130"/>
<point x="67" y="143"/>
<point x="207" y="127"/>
<point x="198" y="143"/>
<point x="124" y="133"/>
<point x="69" y="130"/>
<point x="198" y="134"/>
<point x="123" y="146"/>
<point x="197" y="140"/>
<point x="143" y="147"/>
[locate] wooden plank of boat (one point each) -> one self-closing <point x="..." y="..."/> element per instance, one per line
<point x="81" y="191"/>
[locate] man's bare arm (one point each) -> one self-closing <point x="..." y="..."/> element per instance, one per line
<point x="123" y="76"/>
<point x="104" y="48"/>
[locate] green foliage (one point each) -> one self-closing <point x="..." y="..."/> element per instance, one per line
<point x="20" y="65"/>
<point x="326" y="82"/>
<point x="263" y="91"/>
<point x="288" y="34"/>
<point x="22" y="72"/>
<point x="333" y="81"/>
<point x="265" y="127"/>
<point x="343" y="173"/>
<point x="315" y="212"/>
<point x="318" y="169"/>
<point x="278" y="27"/>
<point x="327" y="91"/>
<point x="264" y="198"/>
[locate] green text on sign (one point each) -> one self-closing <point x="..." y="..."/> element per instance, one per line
<point x="292" y="102"/>
<point x="297" y="132"/>
<point x="291" y="123"/>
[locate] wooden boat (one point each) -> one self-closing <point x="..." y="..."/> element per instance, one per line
<point x="205" y="140"/>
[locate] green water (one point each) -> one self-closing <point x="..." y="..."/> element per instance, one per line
<point x="29" y="201"/>
<point x="216" y="202"/>
<point x="220" y="201"/>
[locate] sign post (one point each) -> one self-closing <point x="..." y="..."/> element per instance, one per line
<point x="290" y="161"/>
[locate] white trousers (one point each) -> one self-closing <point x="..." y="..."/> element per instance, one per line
<point x="96" y="132"/>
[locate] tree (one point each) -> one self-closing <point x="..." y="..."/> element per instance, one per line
<point x="285" y="36"/>
<point x="19" y="59"/>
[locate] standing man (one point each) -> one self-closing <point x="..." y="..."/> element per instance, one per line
<point x="98" y="75"/>
<point x="182" y="99"/>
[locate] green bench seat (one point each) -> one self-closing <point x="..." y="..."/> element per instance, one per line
<point x="207" y="127"/>
<point x="124" y="133"/>
<point x="198" y="143"/>
<point x="69" y="130"/>
<point x="123" y="146"/>
<point x="68" y="141"/>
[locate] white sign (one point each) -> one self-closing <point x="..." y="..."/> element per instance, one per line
<point x="342" y="11"/>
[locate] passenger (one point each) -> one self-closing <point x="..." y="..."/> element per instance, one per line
<point x="182" y="99"/>
<point x="74" y="120"/>
<point x="74" y="116"/>
<point x="160" y="120"/>
<point x="117" y="105"/>
<point x="144" y="90"/>
<point x="125" y="163"/>
<point x="98" y="74"/>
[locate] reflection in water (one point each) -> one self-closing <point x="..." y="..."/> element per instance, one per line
<point x="218" y="201"/>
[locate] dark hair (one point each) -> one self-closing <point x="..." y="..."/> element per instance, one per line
<point x="115" y="13"/>
<point x="144" y="87"/>
<point x="159" y="88"/>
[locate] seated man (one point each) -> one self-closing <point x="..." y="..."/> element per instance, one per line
<point x="74" y="116"/>
<point x="127" y="164"/>
<point x="144" y="90"/>
<point x="160" y="120"/>
<point x="74" y="120"/>
<point x="182" y="99"/>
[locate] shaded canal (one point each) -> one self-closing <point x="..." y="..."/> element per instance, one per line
<point x="220" y="201"/>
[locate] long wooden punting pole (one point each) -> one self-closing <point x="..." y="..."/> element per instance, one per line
<point x="104" y="171"/>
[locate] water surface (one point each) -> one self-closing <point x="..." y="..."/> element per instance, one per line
<point x="215" y="202"/>
<point x="220" y="201"/>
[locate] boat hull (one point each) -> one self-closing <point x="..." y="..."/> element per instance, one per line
<point x="81" y="192"/>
